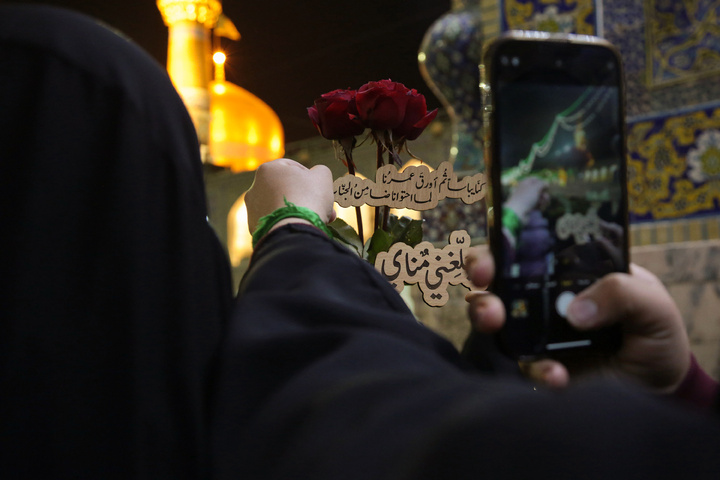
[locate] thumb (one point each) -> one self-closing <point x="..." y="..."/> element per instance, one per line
<point x="635" y="300"/>
<point x="611" y="299"/>
<point x="655" y="349"/>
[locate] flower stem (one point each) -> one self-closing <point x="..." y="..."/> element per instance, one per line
<point x="379" y="163"/>
<point x="358" y="213"/>
<point x="386" y="208"/>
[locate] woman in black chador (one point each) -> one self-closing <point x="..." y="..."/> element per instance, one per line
<point x="115" y="361"/>
<point x="114" y="287"/>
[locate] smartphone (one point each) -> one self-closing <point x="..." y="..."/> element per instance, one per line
<point x="557" y="207"/>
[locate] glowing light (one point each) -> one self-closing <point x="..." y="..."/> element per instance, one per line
<point x="219" y="133"/>
<point x="414" y="162"/>
<point x="349" y="216"/>
<point x="219" y="58"/>
<point x="239" y="238"/>
<point x="276" y="144"/>
<point x="252" y="136"/>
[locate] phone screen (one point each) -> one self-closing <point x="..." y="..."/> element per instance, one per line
<point x="559" y="187"/>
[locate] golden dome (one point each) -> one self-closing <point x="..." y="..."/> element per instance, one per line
<point x="244" y="130"/>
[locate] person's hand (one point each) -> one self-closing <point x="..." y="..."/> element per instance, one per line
<point x="655" y="349"/>
<point x="529" y="194"/>
<point x="284" y="179"/>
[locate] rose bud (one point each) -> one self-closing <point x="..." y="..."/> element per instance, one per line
<point x="335" y="115"/>
<point x="416" y="118"/>
<point x="381" y="105"/>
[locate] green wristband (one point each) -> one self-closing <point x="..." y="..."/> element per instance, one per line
<point x="288" y="211"/>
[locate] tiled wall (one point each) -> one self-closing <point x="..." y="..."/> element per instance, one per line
<point x="671" y="56"/>
<point x="674" y="231"/>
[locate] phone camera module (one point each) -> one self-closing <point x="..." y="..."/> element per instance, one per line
<point x="515" y="61"/>
<point x="504" y="61"/>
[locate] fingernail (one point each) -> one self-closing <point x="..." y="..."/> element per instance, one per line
<point x="582" y="312"/>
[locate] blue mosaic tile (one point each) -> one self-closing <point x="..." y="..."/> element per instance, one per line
<point x="451" y="52"/>
<point x="566" y="16"/>
<point x="674" y="164"/>
<point x="682" y="40"/>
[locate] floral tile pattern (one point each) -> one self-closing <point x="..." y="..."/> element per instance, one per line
<point x="682" y="40"/>
<point x="566" y="16"/>
<point x="674" y="164"/>
<point x="647" y="44"/>
<point x="671" y="56"/>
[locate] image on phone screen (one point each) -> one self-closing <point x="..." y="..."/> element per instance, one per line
<point x="559" y="148"/>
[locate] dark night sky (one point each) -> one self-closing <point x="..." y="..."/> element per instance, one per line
<point x="291" y="51"/>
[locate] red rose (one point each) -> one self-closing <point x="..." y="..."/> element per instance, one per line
<point x="382" y="104"/>
<point x="416" y="118"/>
<point x="335" y="115"/>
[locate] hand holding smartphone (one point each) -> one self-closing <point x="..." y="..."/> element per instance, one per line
<point x="555" y="154"/>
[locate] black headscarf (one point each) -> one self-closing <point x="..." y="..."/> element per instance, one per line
<point x="113" y="286"/>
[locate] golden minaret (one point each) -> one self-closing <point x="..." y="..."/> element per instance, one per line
<point x="189" y="61"/>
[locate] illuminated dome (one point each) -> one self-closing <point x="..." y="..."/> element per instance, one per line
<point x="235" y="128"/>
<point x="244" y="130"/>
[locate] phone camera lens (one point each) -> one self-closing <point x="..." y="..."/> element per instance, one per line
<point x="515" y="61"/>
<point x="504" y="60"/>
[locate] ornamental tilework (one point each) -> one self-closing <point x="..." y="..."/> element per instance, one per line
<point x="674" y="164"/>
<point x="671" y="61"/>
<point x="683" y="40"/>
<point x="670" y="51"/>
<point x="624" y="27"/>
<point x="675" y="231"/>
<point x="450" y="54"/>
<point x="453" y="214"/>
<point x="671" y="58"/>
<point x="565" y="16"/>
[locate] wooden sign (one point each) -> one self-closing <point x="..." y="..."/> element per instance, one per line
<point x="417" y="188"/>
<point x="432" y="269"/>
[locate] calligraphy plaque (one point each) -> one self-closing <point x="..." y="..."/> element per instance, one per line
<point x="431" y="268"/>
<point x="418" y="188"/>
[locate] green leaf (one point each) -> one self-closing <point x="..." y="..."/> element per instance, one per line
<point x="405" y="230"/>
<point x="381" y="241"/>
<point x="344" y="233"/>
<point x="414" y="233"/>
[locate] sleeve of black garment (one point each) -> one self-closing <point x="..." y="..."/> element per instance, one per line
<point x="327" y="375"/>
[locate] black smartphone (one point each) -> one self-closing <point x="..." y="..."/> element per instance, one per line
<point x="557" y="207"/>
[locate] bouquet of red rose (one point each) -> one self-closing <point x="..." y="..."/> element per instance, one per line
<point x="393" y="114"/>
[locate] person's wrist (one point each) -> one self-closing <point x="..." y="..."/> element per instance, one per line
<point x="697" y="387"/>
<point x="290" y="213"/>
<point x="287" y="221"/>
